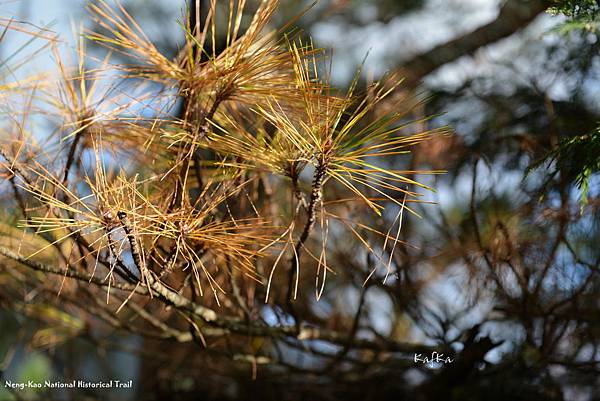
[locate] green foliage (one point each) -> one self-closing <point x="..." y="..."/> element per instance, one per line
<point x="577" y="158"/>
<point x="577" y="8"/>
<point x="580" y="157"/>
<point x="34" y="367"/>
<point x="582" y="15"/>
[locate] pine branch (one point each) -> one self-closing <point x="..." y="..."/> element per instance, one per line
<point x="136" y="252"/>
<point x="311" y="212"/>
<point x="231" y="325"/>
<point x="71" y="156"/>
<point x="71" y="273"/>
<point x="125" y="272"/>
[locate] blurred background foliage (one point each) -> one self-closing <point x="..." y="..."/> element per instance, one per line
<point x="502" y="271"/>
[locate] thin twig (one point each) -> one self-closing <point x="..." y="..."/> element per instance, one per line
<point x="315" y="198"/>
<point x="66" y="272"/>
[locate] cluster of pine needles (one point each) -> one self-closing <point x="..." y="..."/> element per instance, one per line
<point x="226" y="164"/>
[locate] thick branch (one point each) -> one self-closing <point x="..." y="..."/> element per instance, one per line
<point x="166" y="294"/>
<point x="513" y="16"/>
<point x="231" y="325"/>
<point x="68" y="272"/>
